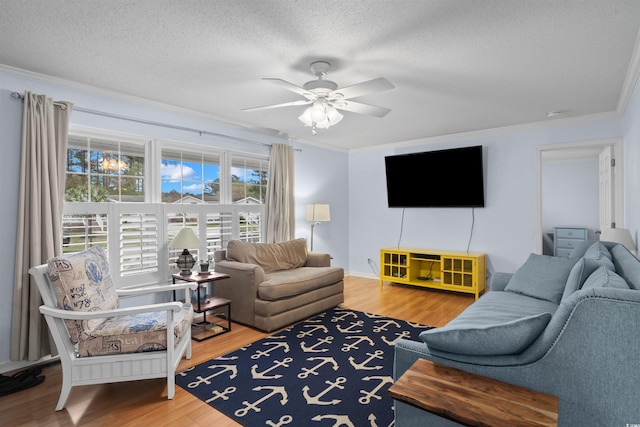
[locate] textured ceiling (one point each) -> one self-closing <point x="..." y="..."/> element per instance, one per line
<point x="458" y="65"/>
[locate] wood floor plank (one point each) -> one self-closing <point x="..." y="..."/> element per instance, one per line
<point x="145" y="402"/>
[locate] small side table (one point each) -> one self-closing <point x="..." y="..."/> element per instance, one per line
<point x="204" y="330"/>
<point x="473" y="400"/>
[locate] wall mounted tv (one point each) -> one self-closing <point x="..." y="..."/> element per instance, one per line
<point x="442" y="178"/>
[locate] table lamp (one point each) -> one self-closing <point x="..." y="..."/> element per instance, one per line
<point x="185" y="239"/>
<point x="618" y="235"/>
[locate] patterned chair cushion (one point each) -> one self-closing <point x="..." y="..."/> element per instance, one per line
<point x="134" y="333"/>
<point x="82" y="282"/>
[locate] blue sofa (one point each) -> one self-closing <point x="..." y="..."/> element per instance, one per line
<point x="569" y="327"/>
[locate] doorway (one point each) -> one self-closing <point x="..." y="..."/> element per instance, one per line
<point x="607" y="158"/>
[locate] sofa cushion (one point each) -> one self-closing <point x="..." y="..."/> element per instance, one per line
<point x="82" y="282"/>
<point x="269" y="256"/>
<point x="600" y="253"/>
<point x="498" y="323"/>
<point x="134" y="333"/>
<point x="542" y="276"/>
<point x="288" y="283"/>
<point x="627" y="266"/>
<point x="605" y="278"/>
<point x="579" y="273"/>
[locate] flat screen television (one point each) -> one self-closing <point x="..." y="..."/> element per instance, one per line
<point x="443" y="178"/>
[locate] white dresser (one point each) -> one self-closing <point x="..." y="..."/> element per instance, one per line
<point x="566" y="238"/>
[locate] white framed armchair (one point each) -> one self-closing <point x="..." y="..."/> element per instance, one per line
<point x="97" y="341"/>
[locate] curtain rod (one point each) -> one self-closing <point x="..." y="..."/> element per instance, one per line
<point x="17" y="95"/>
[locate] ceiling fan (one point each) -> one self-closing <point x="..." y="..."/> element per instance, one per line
<point x="325" y="98"/>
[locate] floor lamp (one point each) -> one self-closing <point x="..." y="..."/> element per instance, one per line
<point x="317" y="213"/>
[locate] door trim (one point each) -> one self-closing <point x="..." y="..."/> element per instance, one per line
<point x="576" y="151"/>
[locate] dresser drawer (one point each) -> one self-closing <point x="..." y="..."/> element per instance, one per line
<point x="567" y="243"/>
<point x="563" y="252"/>
<point x="571" y="233"/>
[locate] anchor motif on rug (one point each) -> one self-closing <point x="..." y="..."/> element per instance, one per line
<point x="384" y="324"/>
<point x="221" y="394"/>
<point x="205" y="380"/>
<point x="276" y="364"/>
<point x="315" y="400"/>
<point x="343" y="315"/>
<point x="310" y="332"/>
<point x="340" y="420"/>
<point x="274" y="391"/>
<point x="366" y="399"/>
<point x="403" y="334"/>
<point x="314" y="370"/>
<point x="350" y="329"/>
<point x="285" y="419"/>
<point x="373" y="421"/>
<point x="354" y="346"/>
<point x="313" y="349"/>
<point x="363" y="366"/>
<point x="186" y="371"/>
<point x="259" y="353"/>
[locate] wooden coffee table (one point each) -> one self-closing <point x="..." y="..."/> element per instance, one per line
<point x="204" y="330"/>
<point x="473" y="400"/>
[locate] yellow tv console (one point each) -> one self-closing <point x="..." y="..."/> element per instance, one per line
<point x="451" y="271"/>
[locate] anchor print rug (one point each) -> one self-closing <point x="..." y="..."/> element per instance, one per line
<point x="331" y="370"/>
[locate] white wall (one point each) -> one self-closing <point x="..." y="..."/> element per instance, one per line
<point x="504" y="229"/>
<point x="322" y="177"/>
<point x="321" y="174"/>
<point x="631" y="126"/>
<point x="570" y="194"/>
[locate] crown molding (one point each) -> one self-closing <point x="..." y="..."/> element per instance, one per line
<point x="631" y="79"/>
<point x="525" y="127"/>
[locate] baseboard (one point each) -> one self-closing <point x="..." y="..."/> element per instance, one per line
<point x="365" y="275"/>
<point x="15" y="366"/>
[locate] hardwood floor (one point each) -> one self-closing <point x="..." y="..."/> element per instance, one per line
<point x="144" y="402"/>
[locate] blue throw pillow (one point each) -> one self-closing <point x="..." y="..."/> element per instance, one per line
<point x="627" y="265"/>
<point x="579" y="274"/>
<point x="605" y="278"/>
<point x="542" y="276"/>
<point x="600" y="253"/>
<point x="511" y="337"/>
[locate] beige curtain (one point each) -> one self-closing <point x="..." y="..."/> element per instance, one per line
<point x="45" y="126"/>
<point x="279" y="201"/>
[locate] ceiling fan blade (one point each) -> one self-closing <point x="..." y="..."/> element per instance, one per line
<point x="286" y="104"/>
<point x="360" y="89"/>
<point x="290" y="86"/>
<point x="360" y="108"/>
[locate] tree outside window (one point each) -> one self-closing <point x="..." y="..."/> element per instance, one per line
<point x="248" y="180"/>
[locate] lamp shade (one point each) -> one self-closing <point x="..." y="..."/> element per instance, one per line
<point x="185" y="239"/>
<point x="618" y="235"/>
<point x="318" y="212"/>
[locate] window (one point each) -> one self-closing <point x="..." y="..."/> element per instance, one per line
<point x="83" y="231"/>
<point x="100" y="170"/>
<point x="120" y="199"/>
<point x="189" y="177"/>
<point x="248" y="180"/>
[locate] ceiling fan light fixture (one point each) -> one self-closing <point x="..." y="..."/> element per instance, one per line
<point x="306" y="117"/>
<point x="334" y="115"/>
<point x="321" y="115"/>
<point x="318" y="111"/>
<point x="325" y="98"/>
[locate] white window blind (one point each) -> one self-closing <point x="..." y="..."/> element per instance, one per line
<point x="138" y="243"/>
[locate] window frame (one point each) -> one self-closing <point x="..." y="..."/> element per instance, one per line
<point x="153" y="204"/>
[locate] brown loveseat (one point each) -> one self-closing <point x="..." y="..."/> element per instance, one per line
<point x="273" y="285"/>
